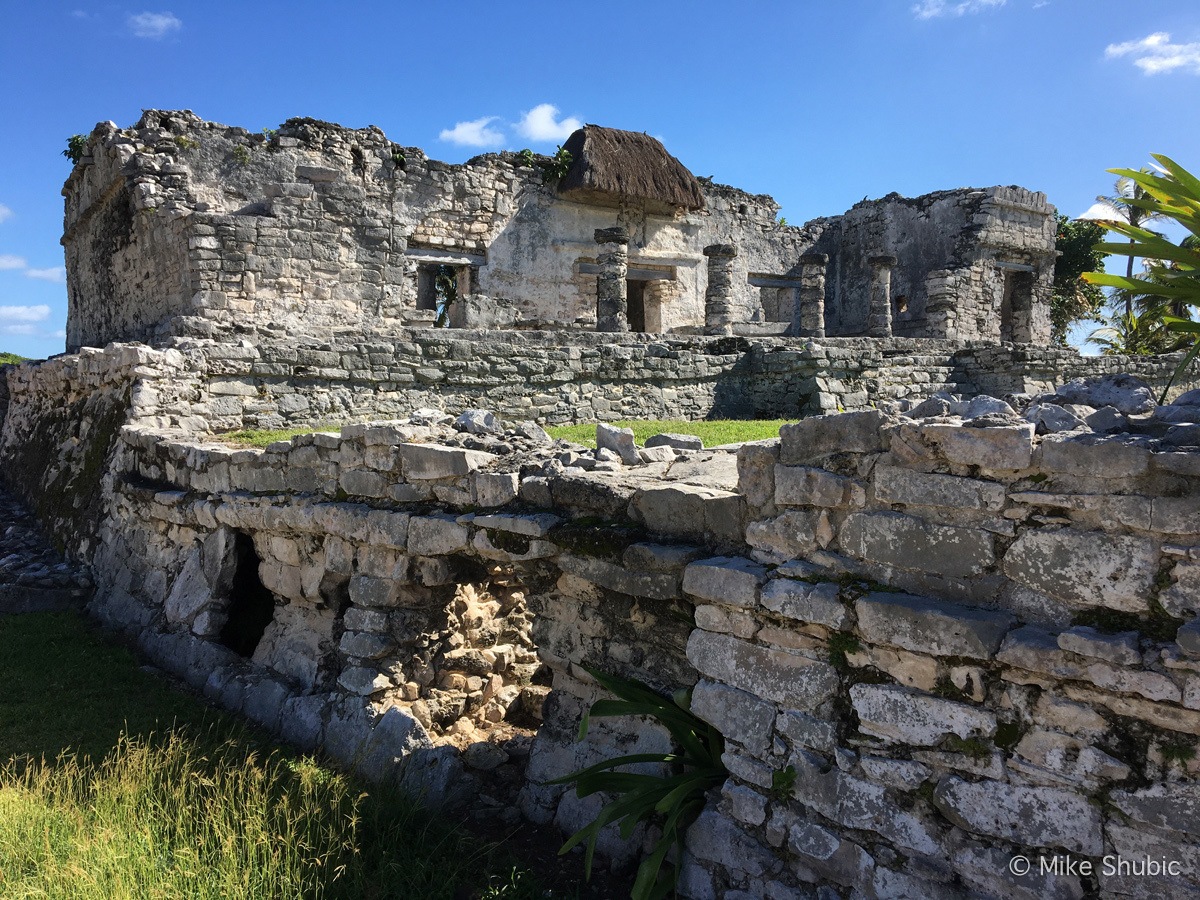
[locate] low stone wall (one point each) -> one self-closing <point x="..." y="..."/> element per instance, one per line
<point x="61" y="420"/>
<point x="552" y="378"/>
<point x="956" y="645"/>
<point x="940" y="645"/>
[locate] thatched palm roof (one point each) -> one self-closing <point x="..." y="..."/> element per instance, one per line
<point x="611" y="165"/>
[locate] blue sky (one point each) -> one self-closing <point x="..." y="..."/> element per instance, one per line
<point x="818" y="103"/>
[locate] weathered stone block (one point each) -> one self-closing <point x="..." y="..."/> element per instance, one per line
<point x="1000" y="448"/>
<point x="429" y="461"/>
<point x="907" y="542"/>
<point x="898" y="485"/>
<point x="1121" y="649"/>
<point x="737" y="715"/>
<point x="788" y="678"/>
<point x="658" y="586"/>
<point x="363" y="483"/>
<point x="806" y="602"/>
<point x="1085" y="568"/>
<point x="820" y="436"/>
<point x="805" y="486"/>
<point x="1028" y="816"/>
<point x="733" y="581"/>
<point x="905" y="716"/>
<point x="931" y="626"/>
<point x="1095" y="456"/>
<point x="494" y="489"/>
<point x="436" y="536"/>
<point x="366" y="590"/>
<point x="807" y="731"/>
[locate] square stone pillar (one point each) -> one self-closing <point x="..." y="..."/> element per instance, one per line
<point x="612" y="300"/>
<point x="879" y="313"/>
<point x="718" y="298"/>
<point x="808" y="315"/>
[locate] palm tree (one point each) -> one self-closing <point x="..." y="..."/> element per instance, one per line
<point x="1123" y="207"/>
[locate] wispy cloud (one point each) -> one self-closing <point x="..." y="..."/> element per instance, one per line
<point x="56" y="274"/>
<point x="23" y="330"/>
<point x="11" y="314"/>
<point x="542" y="124"/>
<point x="475" y="133"/>
<point x="154" y="25"/>
<point x="6" y="213"/>
<point x="8" y="261"/>
<point x="938" y="9"/>
<point x="1155" y="54"/>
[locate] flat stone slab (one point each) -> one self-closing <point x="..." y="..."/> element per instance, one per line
<point x="931" y="626"/>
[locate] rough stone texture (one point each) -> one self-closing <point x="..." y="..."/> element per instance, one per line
<point x="905" y="716"/>
<point x="1080" y="567"/>
<point x="912" y="543"/>
<point x="1029" y="816"/>
<point x="930" y="626"/>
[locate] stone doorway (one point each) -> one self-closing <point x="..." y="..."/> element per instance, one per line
<point x="635" y="293"/>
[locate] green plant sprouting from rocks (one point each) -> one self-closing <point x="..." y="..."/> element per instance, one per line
<point x="526" y="158"/>
<point x="241" y="154"/>
<point x="673" y="798"/>
<point x="76" y="147"/>
<point x="557" y="165"/>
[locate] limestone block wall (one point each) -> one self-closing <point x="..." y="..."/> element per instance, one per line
<point x="931" y="646"/>
<point x="954" y="645"/>
<point x="61" y="420"/>
<point x="178" y="226"/>
<point x="970" y="264"/>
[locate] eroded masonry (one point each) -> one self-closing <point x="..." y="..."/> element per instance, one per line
<point x="953" y="625"/>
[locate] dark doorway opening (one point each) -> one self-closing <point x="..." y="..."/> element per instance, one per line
<point x="635" y="294"/>
<point x="251" y="605"/>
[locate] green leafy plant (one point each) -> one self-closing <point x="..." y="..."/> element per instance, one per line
<point x="674" y="798"/>
<point x="241" y="154"/>
<point x="183" y="142"/>
<point x="557" y="165"/>
<point x="76" y="147"/>
<point x="526" y="158"/>
<point x="1073" y="298"/>
<point x="270" y="132"/>
<point x="399" y="160"/>
<point x="1173" y="270"/>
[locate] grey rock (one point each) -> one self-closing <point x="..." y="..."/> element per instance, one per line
<point x="819" y="436"/>
<point x="1121" y="649"/>
<point x="931" y="626"/>
<point x="789" y="678"/>
<point x="738" y="715"/>
<point x="984" y="405"/>
<point x="1127" y="393"/>
<point x="1107" y="420"/>
<point x="484" y="756"/>
<point x="1085" y="568"/>
<point x="805" y="602"/>
<point x="1028" y="816"/>
<point x="677" y="441"/>
<point x="908" y="716"/>
<point x="478" y="421"/>
<point x="732" y="581"/>
<point x="619" y="441"/>
<point x="534" y="433"/>
<point x="912" y="543"/>
<point x="1049" y="418"/>
<point x="1188" y="638"/>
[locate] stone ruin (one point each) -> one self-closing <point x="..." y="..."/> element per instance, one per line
<point x="953" y="625"/>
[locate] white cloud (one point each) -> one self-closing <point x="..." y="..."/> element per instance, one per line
<point x="54" y="273"/>
<point x="24" y="313"/>
<point x="473" y="134"/>
<point x="5" y="213"/>
<point x="541" y="124"/>
<point x="24" y="330"/>
<point x="1155" y="53"/>
<point x="8" y="261"/>
<point x="937" y="9"/>
<point x="154" y="26"/>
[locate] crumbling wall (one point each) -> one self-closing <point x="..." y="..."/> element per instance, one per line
<point x="956" y="646"/>
<point x="178" y="226"/>
<point x="61" y="423"/>
<point x="983" y="258"/>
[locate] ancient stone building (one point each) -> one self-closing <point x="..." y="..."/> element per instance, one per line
<point x="189" y="228"/>
<point x="956" y="626"/>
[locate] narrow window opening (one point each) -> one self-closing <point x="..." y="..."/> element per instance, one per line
<point x="251" y="604"/>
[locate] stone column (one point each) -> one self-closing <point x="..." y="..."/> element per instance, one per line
<point x="808" y="315"/>
<point x="718" y="299"/>
<point x="612" y="302"/>
<point x="879" y="314"/>
<point x="941" y="310"/>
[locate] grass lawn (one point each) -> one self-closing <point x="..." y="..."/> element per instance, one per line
<point x="165" y="797"/>
<point x="713" y="433"/>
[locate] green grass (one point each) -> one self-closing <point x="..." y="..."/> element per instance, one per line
<point x="713" y="433"/>
<point x="7" y="358"/>
<point x="259" y="437"/>
<point x="168" y="798"/>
